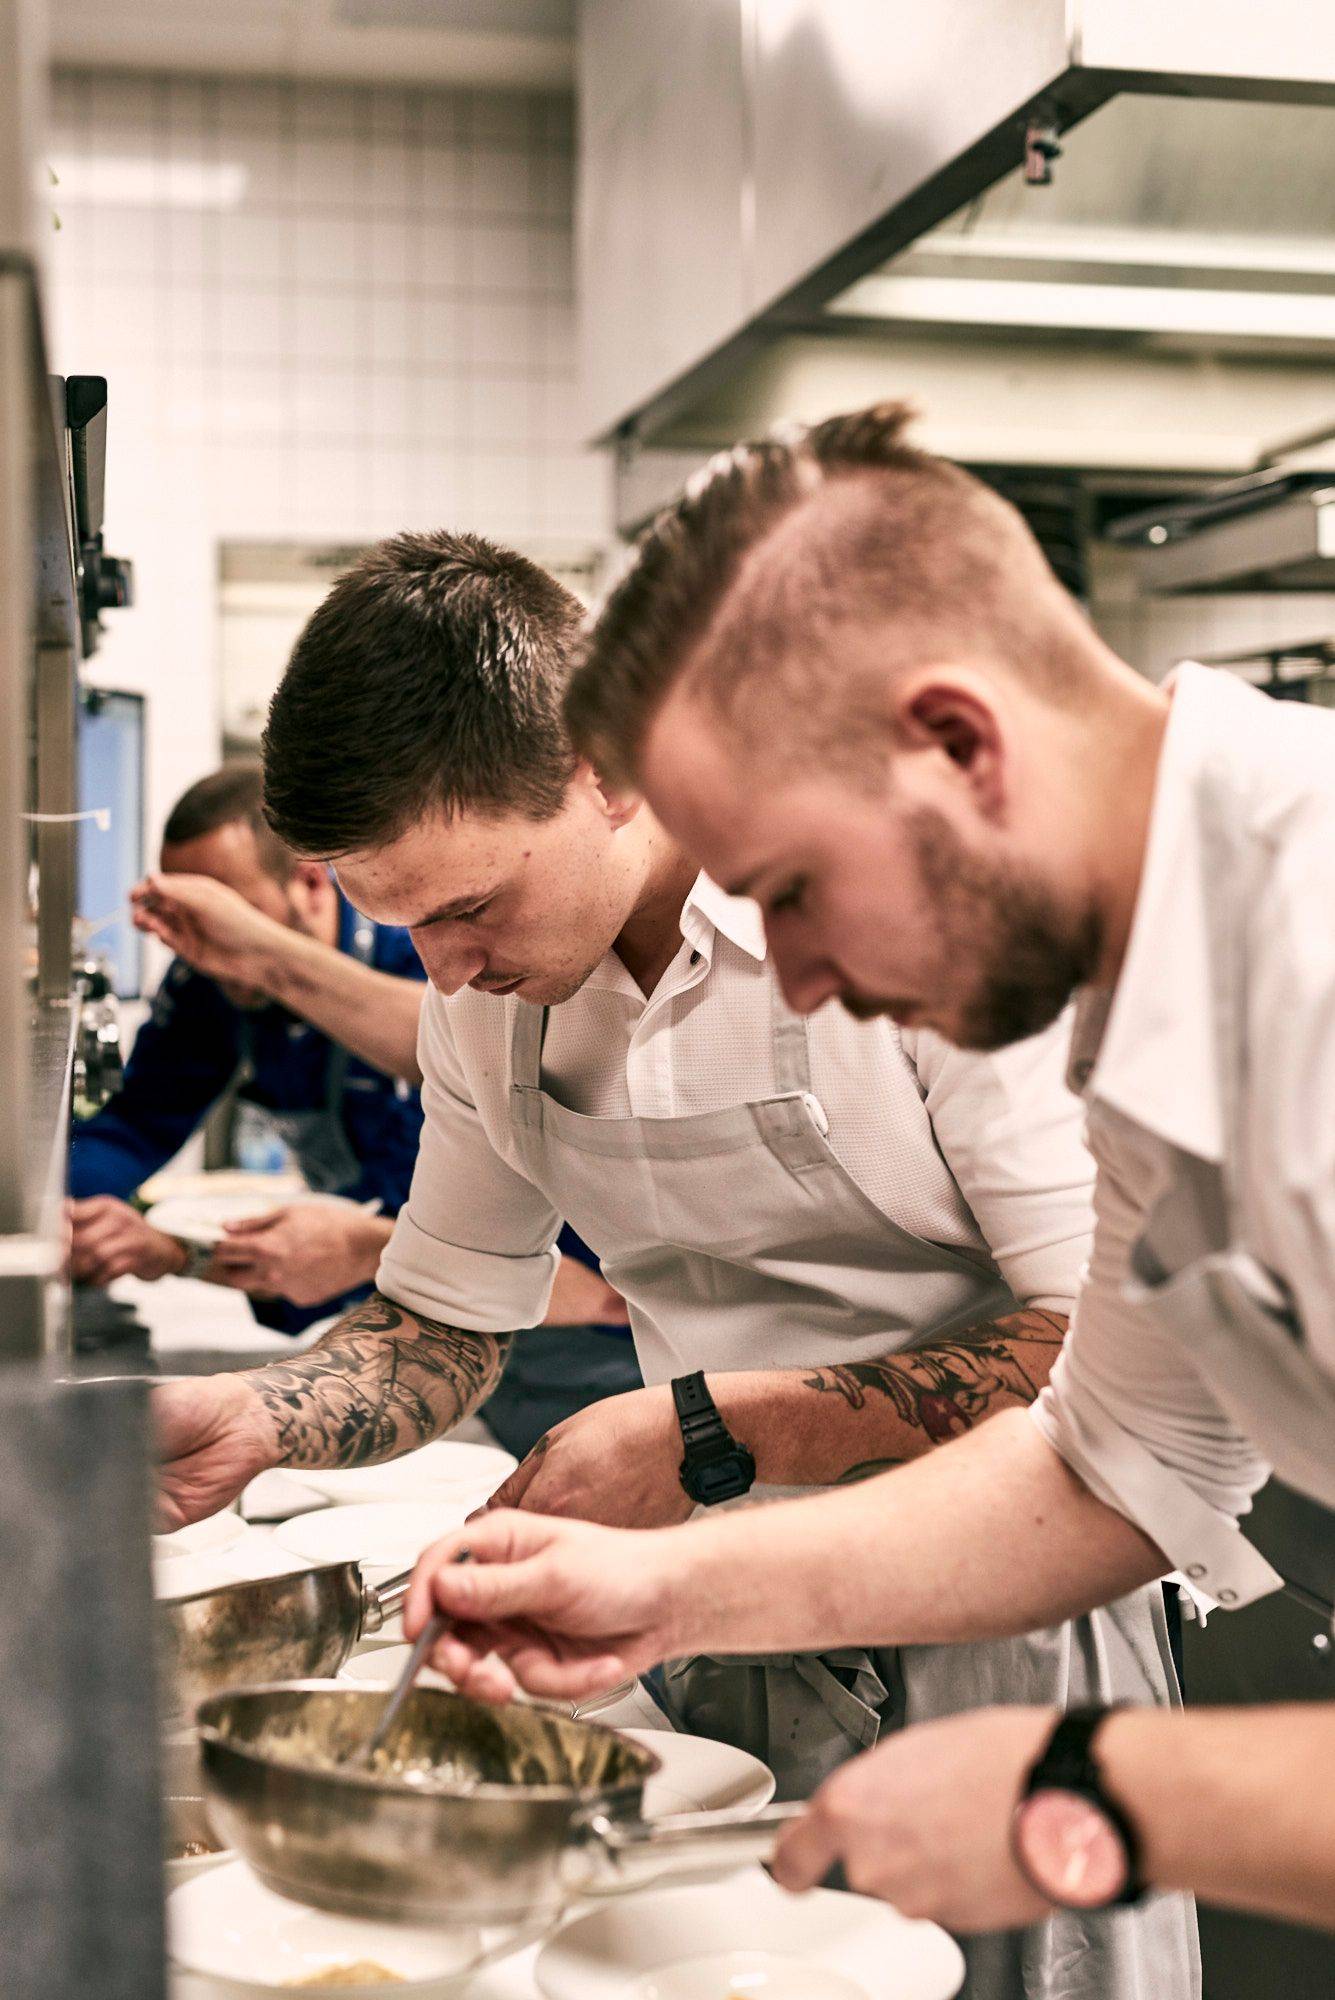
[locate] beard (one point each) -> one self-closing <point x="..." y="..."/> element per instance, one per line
<point x="1027" y="952"/>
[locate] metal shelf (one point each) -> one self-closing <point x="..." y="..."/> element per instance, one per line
<point x="40" y="649"/>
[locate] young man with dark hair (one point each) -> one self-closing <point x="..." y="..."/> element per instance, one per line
<point x="840" y="1244"/>
<point x="1000" y="812"/>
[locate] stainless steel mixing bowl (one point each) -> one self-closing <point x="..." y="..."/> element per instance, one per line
<point x="293" y="1627"/>
<point x="471" y="1815"/>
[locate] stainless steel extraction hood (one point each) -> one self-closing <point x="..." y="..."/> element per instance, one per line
<point x="1273" y="531"/>
<point x="769" y="183"/>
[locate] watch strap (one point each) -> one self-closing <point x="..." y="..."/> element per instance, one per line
<point x="709" y="1445"/>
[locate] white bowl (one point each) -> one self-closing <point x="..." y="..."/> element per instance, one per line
<point x="385" y="1538"/>
<point x="445" y="1470"/>
<point x="227" y="1927"/>
<point x="686" y="1937"/>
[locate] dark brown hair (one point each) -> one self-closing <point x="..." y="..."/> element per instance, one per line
<point x="229" y="796"/>
<point x="778" y="544"/>
<point x="430" y="679"/>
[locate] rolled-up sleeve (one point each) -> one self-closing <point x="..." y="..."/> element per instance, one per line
<point x="1136" y="1421"/>
<point x="474" y="1245"/>
<point x="1012" y="1135"/>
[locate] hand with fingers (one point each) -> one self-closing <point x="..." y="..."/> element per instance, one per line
<point x="617" y="1462"/>
<point x="303" y="1251"/>
<point x="560" y="1608"/>
<point x="207" y="924"/>
<point x="213" y="1436"/>
<point x="923" y="1821"/>
<point x="110" y="1240"/>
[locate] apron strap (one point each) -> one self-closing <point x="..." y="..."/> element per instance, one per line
<point x="792" y="1044"/>
<point x="526" y="1040"/>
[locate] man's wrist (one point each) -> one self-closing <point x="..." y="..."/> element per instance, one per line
<point x="178" y="1257"/>
<point x="259" y="1419"/>
<point x="1133" y="1761"/>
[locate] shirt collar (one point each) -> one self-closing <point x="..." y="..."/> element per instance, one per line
<point x="709" y="908"/>
<point x="707" y="912"/>
<point x="1151" y="1048"/>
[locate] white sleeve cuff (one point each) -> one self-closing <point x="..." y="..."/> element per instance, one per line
<point x="475" y="1289"/>
<point x="1205" y="1545"/>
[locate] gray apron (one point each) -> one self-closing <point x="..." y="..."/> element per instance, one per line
<point x="739" y="1241"/>
<point x="318" y="1140"/>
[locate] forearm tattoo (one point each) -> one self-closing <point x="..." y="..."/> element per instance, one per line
<point x="949" y="1386"/>
<point x="381" y="1382"/>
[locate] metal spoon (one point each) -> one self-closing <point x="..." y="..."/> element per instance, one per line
<point x="434" y="1629"/>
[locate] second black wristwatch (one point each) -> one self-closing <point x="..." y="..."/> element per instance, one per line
<point x="715" y="1466"/>
<point x="1072" y="1841"/>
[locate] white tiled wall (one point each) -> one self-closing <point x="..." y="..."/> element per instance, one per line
<point x="325" y="314"/>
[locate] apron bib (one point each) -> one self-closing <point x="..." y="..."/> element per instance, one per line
<point x="739" y="1241"/>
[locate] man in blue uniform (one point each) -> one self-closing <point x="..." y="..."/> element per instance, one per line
<point x="275" y="973"/>
<point x="351" y="1124"/>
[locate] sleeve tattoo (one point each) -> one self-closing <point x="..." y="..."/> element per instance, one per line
<point x="948" y="1386"/>
<point x="381" y="1382"/>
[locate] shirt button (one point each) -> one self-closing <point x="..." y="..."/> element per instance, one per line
<point x="695" y="958"/>
<point x="1194" y="1571"/>
<point x="1228" y="1597"/>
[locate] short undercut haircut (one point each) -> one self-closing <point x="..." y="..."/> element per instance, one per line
<point x="429" y="680"/>
<point x="230" y="796"/>
<point x="778" y="555"/>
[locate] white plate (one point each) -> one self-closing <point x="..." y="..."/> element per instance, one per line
<point x="170" y="1183"/>
<point x="228" y="1927"/>
<point x="386" y="1538"/>
<point x="613" y="1951"/>
<point x="206" y="1537"/>
<point x="201" y="1218"/>
<point x="445" y="1470"/>
<point x="699" y="1775"/>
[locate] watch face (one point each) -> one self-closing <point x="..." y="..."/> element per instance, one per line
<point x="1071" y="1852"/>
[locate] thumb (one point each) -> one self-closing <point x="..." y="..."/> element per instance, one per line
<point x="251" y="1225"/>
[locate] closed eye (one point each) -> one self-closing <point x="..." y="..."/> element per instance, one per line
<point x="789" y="897"/>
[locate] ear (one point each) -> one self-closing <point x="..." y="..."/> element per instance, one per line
<point x="956" y="718"/>
<point x="618" y="804"/>
<point x="312" y="878"/>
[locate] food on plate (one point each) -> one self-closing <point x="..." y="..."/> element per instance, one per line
<point x="191" y="1850"/>
<point x="362" y="1973"/>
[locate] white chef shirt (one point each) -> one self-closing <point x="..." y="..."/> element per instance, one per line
<point x="982" y="1153"/>
<point x="1129" y="1407"/>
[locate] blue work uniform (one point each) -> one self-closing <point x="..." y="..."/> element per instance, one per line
<point x="353" y="1129"/>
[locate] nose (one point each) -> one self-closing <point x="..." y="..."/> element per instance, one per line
<point x="450" y="963"/>
<point x="806" y="979"/>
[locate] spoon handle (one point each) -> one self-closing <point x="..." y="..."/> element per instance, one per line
<point x="434" y="1629"/>
<point x="389" y="1715"/>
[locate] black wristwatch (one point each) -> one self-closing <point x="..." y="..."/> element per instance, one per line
<point x="715" y="1466"/>
<point x="1072" y="1842"/>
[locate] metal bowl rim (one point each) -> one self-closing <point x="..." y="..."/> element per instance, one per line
<point x="245" y="1583"/>
<point x="489" y="1794"/>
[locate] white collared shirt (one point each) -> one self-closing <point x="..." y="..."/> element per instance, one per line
<point x="1131" y="1409"/>
<point x="981" y="1153"/>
